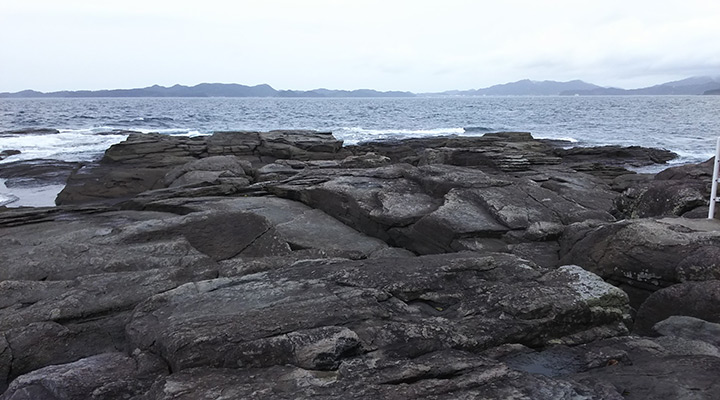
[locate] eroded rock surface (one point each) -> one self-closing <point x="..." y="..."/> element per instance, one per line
<point x="282" y="265"/>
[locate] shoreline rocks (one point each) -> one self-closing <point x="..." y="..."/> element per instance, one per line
<point x="283" y="265"/>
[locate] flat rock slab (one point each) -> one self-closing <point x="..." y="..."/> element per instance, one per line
<point x="316" y="313"/>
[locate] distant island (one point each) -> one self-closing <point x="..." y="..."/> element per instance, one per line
<point x="704" y="85"/>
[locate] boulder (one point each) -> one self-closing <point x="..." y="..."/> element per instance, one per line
<point x="642" y="256"/>
<point x="676" y="191"/>
<point x="692" y="299"/>
<point x="690" y="328"/>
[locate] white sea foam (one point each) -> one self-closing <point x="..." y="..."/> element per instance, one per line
<point x="354" y="135"/>
<point x="37" y="196"/>
<point x="563" y="138"/>
<point x="7" y="198"/>
<point x="68" y="145"/>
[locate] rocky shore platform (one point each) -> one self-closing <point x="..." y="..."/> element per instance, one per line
<point x="282" y="265"/>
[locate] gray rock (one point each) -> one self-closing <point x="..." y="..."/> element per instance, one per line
<point x="285" y="226"/>
<point x="440" y="375"/>
<point x="104" y="376"/>
<point x="683" y="377"/>
<point x="208" y="169"/>
<point x="629" y="364"/>
<point x="403" y="306"/>
<point x="645" y="255"/>
<point x="690" y="328"/>
<point x="692" y="299"/>
<point x="143" y="161"/>
<point x="675" y="191"/>
<point x="33" y="173"/>
<point x="432" y="209"/>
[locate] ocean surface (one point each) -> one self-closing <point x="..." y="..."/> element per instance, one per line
<point x="687" y="125"/>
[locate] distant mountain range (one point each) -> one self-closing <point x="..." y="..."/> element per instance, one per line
<point x="525" y="87"/>
<point x="691" y="86"/>
<point x="208" y="90"/>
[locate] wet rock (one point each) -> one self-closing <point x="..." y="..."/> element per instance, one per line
<point x="683" y="377"/>
<point x="32" y="173"/>
<point x="7" y="153"/>
<point x="200" y="281"/>
<point x="31" y="131"/>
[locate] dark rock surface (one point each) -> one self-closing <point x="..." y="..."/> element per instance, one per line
<point x="7" y="153"/>
<point x="642" y="256"/>
<point x="677" y="191"/>
<point x="40" y="172"/>
<point x="693" y="299"/>
<point x="142" y="161"/>
<point x="631" y="366"/>
<point x="31" y="131"/>
<point x="282" y="265"/>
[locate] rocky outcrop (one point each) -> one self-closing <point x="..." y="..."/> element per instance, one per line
<point x="281" y="265"/>
<point x="142" y="162"/>
<point x="437" y="208"/>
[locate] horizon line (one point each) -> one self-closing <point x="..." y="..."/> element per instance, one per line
<point x="348" y="90"/>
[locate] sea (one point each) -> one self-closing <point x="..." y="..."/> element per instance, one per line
<point x="687" y="125"/>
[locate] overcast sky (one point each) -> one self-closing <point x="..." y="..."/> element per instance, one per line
<point x="418" y="45"/>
